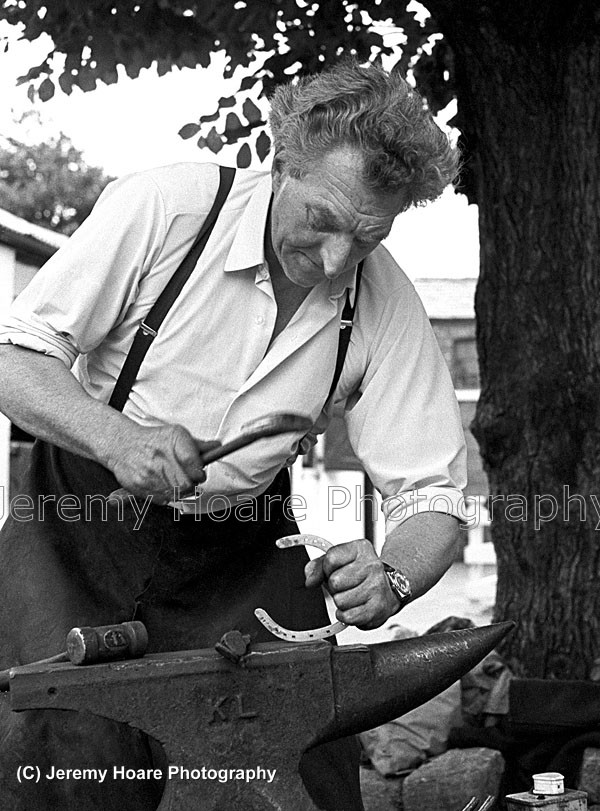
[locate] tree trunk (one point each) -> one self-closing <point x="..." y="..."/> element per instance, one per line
<point x="528" y="83"/>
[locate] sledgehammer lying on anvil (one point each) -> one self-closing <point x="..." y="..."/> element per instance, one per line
<point x="278" y="701"/>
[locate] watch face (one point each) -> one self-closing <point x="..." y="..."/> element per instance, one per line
<point x="399" y="583"/>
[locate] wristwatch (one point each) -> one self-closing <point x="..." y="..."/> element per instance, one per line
<point x="399" y="584"/>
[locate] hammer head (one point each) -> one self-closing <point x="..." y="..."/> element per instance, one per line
<point x="278" y="423"/>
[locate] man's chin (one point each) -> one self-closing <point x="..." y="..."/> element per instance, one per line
<point x="304" y="273"/>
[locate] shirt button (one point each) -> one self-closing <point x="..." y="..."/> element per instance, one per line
<point x="260" y="319"/>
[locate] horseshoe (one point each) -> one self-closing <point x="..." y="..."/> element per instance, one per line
<point x="299" y="636"/>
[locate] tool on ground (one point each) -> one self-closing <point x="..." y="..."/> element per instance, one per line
<point x="285" y="633"/>
<point x="473" y="804"/>
<point x="264" y="712"/>
<point x="87" y="646"/>
<point x="260" y="428"/>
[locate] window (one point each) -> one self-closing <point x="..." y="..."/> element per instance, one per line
<point x="465" y="366"/>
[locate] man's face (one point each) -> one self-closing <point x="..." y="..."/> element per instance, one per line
<point x="327" y="222"/>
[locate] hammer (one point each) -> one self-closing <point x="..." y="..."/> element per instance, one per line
<point x="89" y="646"/>
<point x="271" y="425"/>
<point x="207" y="711"/>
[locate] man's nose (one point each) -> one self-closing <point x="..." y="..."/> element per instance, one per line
<point x="335" y="254"/>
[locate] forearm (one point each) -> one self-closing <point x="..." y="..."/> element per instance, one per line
<point x="423" y="547"/>
<point x="41" y="396"/>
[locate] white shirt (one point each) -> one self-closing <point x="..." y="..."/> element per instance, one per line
<point x="209" y="369"/>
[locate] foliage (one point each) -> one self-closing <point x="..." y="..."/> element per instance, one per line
<point x="48" y="183"/>
<point x="274" y="39"/>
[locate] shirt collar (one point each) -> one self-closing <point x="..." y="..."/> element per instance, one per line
<point x="248" y="250"/>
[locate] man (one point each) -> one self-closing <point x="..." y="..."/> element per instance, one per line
<point x="254" y="330"/>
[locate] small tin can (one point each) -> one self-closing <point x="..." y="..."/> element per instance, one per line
<point x="548" y="783"/>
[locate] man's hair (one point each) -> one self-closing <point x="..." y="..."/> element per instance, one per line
<point x="379" y="113"/>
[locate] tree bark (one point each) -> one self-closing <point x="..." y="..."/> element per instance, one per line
<point x="528" y="82"/>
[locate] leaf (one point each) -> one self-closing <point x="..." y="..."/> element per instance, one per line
<point x="205" y="119"/>
<point x="33" y="73"/>
<point x="31" y="93"/>
<point x="263" y="145"/>
<point x="248" y="82"/>
<point x="233" y="136"/>
<point x="46" y="90"/>
<point x="226" y="101"/>
<point x="163" y="66"/>
<point x="188" y="131"/>
<point x="65" y="81"/>
<point x="109" y="74"/>
<point x="232" y="123"/>
<point x="251" y="111"/>
<point x="86" y="80"/>
<point x="244" y="157"/>
<point x="214" y="141"/>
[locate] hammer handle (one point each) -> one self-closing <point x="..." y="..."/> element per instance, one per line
<point x="88" y="646"/>
<point x="51" y="660"/>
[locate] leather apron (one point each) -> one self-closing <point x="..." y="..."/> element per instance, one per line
<point x="188" y="580"/>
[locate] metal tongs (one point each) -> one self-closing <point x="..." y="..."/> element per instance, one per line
<point x="270" y="425"/>
<point x="473" y="802"/>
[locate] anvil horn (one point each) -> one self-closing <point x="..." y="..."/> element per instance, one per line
<point x="395" y="677"/>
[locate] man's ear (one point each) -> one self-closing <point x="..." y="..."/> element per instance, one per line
<point x="276" y="173"/>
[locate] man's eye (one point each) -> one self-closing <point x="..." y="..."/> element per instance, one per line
<point x="320" y="227"/>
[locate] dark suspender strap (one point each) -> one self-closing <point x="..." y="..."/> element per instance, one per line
<point x="345" y="331"/>
<point x="149" y="327"/>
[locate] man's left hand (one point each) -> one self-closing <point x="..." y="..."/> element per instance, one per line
<point x="354" y="576"/>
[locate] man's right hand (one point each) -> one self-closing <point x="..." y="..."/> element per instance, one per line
<point x="162" y="461"/>
<point x="42" y="397"/>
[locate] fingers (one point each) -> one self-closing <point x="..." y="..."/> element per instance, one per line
<point x="344" y="554"/>
<point x="313" y="573"/>
<point x="202" y="448"/>
<point x="343" y="566"/>
<point x="355" y="578"/>
<point x="162" y="461"/>
<point x="365" y="610"/>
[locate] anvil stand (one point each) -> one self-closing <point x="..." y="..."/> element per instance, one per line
<point x="266" y="710"/>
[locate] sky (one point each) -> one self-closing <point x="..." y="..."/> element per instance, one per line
<point x="132" y="125"/>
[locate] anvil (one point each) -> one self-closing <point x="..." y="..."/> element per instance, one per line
<point x="266" y="710"/>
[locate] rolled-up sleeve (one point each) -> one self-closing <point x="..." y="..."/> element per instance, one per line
<point x="404" y="423"/>
<point x="84" y="289"/>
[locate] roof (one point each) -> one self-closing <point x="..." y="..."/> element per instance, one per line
<point x="447" y="298"/>
<point x="24" y="235"/>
